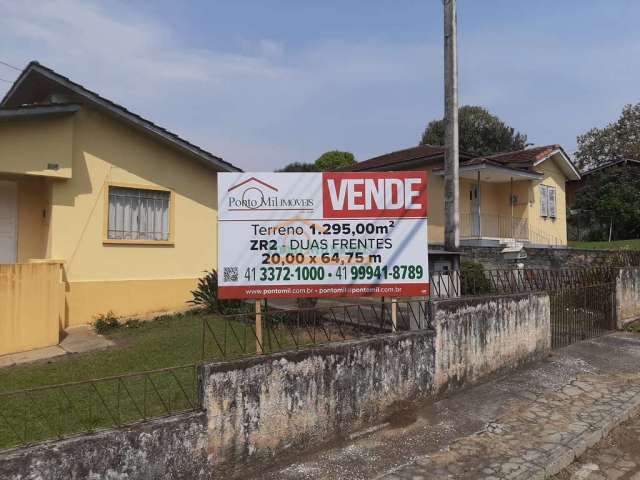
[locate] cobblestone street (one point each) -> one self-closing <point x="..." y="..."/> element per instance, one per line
<point x="615" y="457"/>
<point x="529" y="424"/>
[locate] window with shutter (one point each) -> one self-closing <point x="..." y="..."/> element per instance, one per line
<point x="551" y="201"/>
<point x="138" y="214"/>
<point x="544" y="201"/>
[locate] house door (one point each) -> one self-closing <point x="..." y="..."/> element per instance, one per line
<point x="8" y="222"/>
<point x="474" y="196"/>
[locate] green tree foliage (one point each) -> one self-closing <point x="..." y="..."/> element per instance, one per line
<point x="335" y="159"/>
<point x="620" y="139"/>
<point x="328" y="161"/>
<point x="299" y="167"/>
<point x="481" y="133"/>
<point x="610" y="197"/>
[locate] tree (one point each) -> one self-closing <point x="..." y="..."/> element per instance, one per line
<point x="620" y="139"/>
<point x="328" y="161"/>
<point x="481" y="133"/>
<point x="610" y="198"/>
<point x="335" y="159"/>
<point x="299" y="167"/>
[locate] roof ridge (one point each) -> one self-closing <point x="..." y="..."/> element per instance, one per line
<point x="35" y="66"/>
<point x="541" y="147"/>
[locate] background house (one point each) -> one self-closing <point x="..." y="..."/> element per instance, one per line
<point x="574" y="186"/>
<point x="603" y="204"/>
<point x="127" y="207"/>
<point x="504" y="197"/>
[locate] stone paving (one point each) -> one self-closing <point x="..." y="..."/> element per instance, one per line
<point x="528" y="424"/>
<point x="615" y="457"/>
<point x="539" y="440"/>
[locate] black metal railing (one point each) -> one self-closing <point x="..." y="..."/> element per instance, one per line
<point x="581" y="313"/>
<point x="58" y="411"/>
<point x="285" y="329"/>
<point x="460" y="283"/>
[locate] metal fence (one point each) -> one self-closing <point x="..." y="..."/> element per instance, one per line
<point x="580" y="313"/>
<point x="580" y="308"/>
<point x="285" y="329"/>
<point x="57" y="411"/>
<point x="471" y="282"/>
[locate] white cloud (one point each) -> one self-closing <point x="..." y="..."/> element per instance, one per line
<point x="266" y="103"/>
<point x="260" y="105"/>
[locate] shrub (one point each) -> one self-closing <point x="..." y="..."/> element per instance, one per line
<point x="133" y="323"/>
<point x="472" y="279"/>
<point x="106" y="322"/>
<point x="205" y="296"/>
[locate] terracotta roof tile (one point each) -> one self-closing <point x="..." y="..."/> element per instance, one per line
<point x="392" y="159"/>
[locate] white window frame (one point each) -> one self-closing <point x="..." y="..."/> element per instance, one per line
<point x="544" y="201"/>
<point x="552" y="198"/>
<point x="548" y="202"/>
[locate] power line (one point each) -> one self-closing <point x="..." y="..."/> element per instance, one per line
<point x="10" y="66"/>
<point x="4" y="80"/>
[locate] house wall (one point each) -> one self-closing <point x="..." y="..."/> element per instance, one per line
<point x="33" y="211"/>
<point x="27" y="146"/>
<point x="129" y="278"/>
<point x="557" y="227"/>
<point x="435" y="207"/>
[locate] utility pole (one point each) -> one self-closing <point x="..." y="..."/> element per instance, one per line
<point x="451" y="156"/>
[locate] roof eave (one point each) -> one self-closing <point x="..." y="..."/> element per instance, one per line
<point x="40" y="111"/>
<point x="484" y="166"/>
<point x="567" y="161"/>
<point x="205" y="157"/>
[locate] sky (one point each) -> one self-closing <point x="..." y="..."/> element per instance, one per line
<point x="263" y="83"/>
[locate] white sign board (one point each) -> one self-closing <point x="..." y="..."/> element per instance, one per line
<point x="322" y="234"/>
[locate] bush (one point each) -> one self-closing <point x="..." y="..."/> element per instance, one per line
<point x="205" y="296"/>
<point x="472" y="279"/>
<point x="106" y="322"/>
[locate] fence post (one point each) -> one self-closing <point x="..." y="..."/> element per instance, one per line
<point x="259" y="327"/>
<point x="394" y="314"/>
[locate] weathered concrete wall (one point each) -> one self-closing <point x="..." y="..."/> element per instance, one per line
<point x="260" y="407"/>
<point x="172" y="448"/>
<point x="479" y="336"/>
<point x="627" y="296"/>
<point x="547" y="258"/>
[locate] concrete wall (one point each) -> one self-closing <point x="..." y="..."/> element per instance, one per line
<point x="281" y="404"/>
<point x="171" y="448"/>
<point x="261" y="407"/>
<point x="479" y="336"/>
<point x="627" y="296"/>
<point x="31" y="304"/>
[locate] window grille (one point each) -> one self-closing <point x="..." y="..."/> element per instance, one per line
<point x="138" y="214"/>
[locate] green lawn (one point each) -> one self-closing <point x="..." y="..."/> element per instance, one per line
<point x="46" y="412"/>
<point x="617" y="245"/>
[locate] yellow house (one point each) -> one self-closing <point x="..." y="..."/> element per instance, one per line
<point x="127" y="207"/>
<point x="514" y="196"/>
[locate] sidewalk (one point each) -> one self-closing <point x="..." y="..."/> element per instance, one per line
<point x="79" y="339"/>
<point x="529" y="424"/>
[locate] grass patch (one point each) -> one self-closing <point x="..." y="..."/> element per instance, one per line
<point x="617" y="245"/>
<point x="169" y="341"/>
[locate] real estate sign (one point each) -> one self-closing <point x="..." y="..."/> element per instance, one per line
<point x="322" y="234"/>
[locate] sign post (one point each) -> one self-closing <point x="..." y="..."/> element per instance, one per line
<point x="317" y="235"/>
<point x="259" y="337"/>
